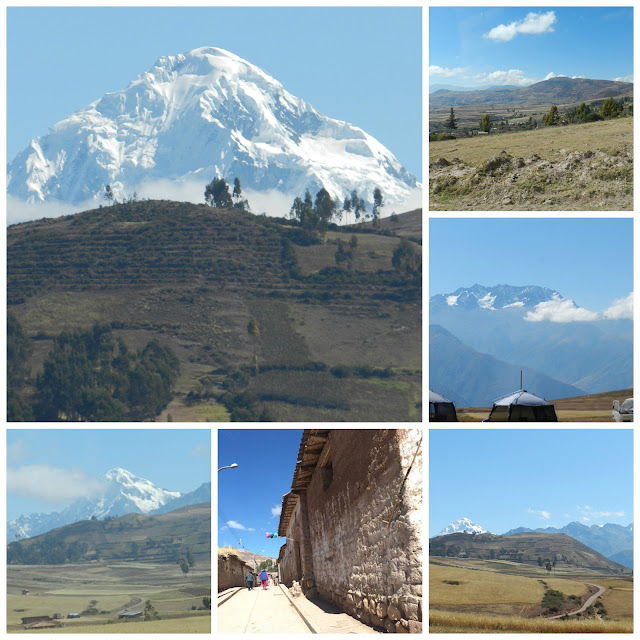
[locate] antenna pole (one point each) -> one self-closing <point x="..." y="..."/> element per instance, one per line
<point x="521" y="379"/>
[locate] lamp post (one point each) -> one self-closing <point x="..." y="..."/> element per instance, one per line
<point x="231" y="466"/>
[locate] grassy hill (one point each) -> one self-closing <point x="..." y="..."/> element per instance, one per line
<point x="134" y="537"/>
<point x="246" y="556"/>
<point x="525" y="548"/>
<point x="194" y="278"/>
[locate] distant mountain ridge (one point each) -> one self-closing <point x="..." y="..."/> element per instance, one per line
<point x="470" y="378"/>
<point x="530" y="327"/>
<point x="525" y="548"/>
<point x="123" y="493"/>
<point x="608" y="539"/>
<point x="559" y="90"/>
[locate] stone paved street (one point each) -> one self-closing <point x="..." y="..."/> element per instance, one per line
<point x="259" y="611"/>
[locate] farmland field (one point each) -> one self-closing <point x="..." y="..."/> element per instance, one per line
<point x="472" y="596"/>
<point x="108" y="589"/>
<point x="575" y="167"/>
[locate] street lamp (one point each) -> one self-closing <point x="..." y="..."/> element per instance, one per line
<point x="232" y="466"/>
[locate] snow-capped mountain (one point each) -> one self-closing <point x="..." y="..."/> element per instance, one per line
<point x="123" y="493"/>
<point x="195" y="116"/>
<point x="462" y="525"/>
<point x="501" y="296"/>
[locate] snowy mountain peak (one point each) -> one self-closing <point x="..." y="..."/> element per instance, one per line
<point x="123" y="493"/>
<point x="501" y="296"/>
<point x="462" y="525"/>
<point x="195" y="116"/>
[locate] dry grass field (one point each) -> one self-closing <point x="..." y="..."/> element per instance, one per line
<point x="576" y="167"/>
<point x="595" y="407"/>
<point x="472" y="596"/>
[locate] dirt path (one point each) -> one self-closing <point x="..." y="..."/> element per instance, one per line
<point x="589" y="601"/>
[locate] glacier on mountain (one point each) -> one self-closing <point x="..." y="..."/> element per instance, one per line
<point x="123" y="493"/>
<point x="199" y="115"/>
<point x="462" y="525"/>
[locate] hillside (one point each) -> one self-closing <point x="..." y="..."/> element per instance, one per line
<point x="135" y="537"/>
<point x="470" y="378"/>
<point x="194" y="278"/>
<point x="548" y="92"/>
<point x="246" y="556"/>
<point x="524" y="548"/>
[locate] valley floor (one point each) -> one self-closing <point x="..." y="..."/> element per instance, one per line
<point x="109" y="589"/>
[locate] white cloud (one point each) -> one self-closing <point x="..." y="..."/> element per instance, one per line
<point x="628" y="78"/>
<point x="544" y="515"/>
<point x="551" y="74"/>
<point x="199" y="451"/>
<point x="444" y="72"/>
<point x="52" y="485"/>
<point x="589" y="514"/>
<point x="533" y="23"/>
<point x="512" y="76"/>
<point x="576" y="77"/>
<point x="276" y="510"/>
<point x="622" y="308"/>
<point x="560" y="310"/>
<point x="232" y="524"/>
<point x="16" y="451"/>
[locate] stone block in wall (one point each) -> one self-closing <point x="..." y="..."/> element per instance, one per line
<point x="357" y="600"/>
<point x="415" y="627"/>
<point x="415" y="576"/>
<point x="410" y="611"/>
<point x="389" y="625"/>
<point x="376" y="621"/>
<point x="372" y="606"/>
<point x="400" y="626"/>
<point x="394" y="612"/>
<point x="364" y="616"/>
<point x="381" y="609"/>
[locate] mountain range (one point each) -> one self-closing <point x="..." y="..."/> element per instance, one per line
<point x="123" y="493"/>
<point x="483" y="336"/>
<point x="559" y="90"/>
<point x="528" y="548"/>
<point x="613" y="541"/>
<point x="199" y="115"/>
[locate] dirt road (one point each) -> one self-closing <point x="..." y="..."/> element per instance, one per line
<point x="589" y="601"/>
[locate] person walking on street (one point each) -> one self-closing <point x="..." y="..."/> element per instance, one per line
<point x="250" y="580"/>
<point x="263" y="577"/>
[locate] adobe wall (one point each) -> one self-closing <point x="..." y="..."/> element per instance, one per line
<point x="372" y="571"/>
<point x="231" y="572"/>
<point x="289" y="565"/>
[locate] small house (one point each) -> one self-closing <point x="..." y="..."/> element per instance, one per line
<point x="126" y="615"/>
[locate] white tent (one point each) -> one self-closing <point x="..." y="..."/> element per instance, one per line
<point x="441" y="409"/>
<point x="522" y="406"/>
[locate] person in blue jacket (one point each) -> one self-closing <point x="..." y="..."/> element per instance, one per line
<point x="264" y="577"/>
<point x="250" y="580"/>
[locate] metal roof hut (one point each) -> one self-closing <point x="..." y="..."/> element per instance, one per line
<point x="522" y="406"/>
<point x="441" y="409"/>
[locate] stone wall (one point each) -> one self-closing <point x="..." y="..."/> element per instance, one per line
<point x="371" y="569"/>
<point x="290" y="564"/>
<point x="231" y="571"/>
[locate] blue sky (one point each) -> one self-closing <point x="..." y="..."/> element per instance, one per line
<point x="507" y="478"/>
<point x="472" y="46"/>
<point x="250" y="497"/>
<point x="587" y="260"/>
<point x="362" y="64"/>
<point x="48" y="468"/>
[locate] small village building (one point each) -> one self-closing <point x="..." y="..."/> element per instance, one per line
<point x="25" y="592"/>
<point x="232" y="570"/>
<point x="129" y="614"/>
<point x="73" y="615"/>
<point x="441" y="409"/>
<point x="45" y="624"/>
<point x="35" y="619"/>
<point x="353" y="522"/>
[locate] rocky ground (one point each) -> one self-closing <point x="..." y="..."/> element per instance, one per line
<point x="575" y="180"/>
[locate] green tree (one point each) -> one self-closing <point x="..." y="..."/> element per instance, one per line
<point x="450" y="122"/>
<point x="206" y="602"/>
<point x="406" y="260"/>
<point x="611" y="108"/>
<point x="108" y="194"/>
<point x="325" y="208"/>
<point x="184" y="565"/>
<point x="18" y="352"/>
<point x="217" y="194"/>
<point x="485" y="123"/>
<point x="552" y="118"/>
<point x="189" y="558"/>
<point x="377" y="205"/>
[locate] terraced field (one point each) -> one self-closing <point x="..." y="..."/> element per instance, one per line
<point x="194" y="277"/>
